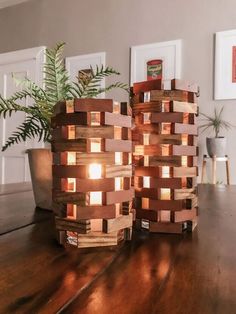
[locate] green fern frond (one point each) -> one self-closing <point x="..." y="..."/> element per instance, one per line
<point x="28" y="129"/>
<point x="7" y="107"/>
<point x="56" y="78"/>
<point x="90" y="85"/>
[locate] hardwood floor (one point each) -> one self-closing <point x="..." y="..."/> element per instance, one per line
<point x="194" y="273"/>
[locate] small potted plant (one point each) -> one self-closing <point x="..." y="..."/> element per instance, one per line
<point x="57" y="87"/>
<point x="216" y="146"/>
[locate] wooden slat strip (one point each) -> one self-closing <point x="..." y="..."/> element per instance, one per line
<point x="169" y="95"/>
<point x="171" y="117"/>
<point x="179" y="128"/>
<point x="181" y="106"/>
<point x="100" y="158"/>
<point x="69" y="171"/>
<point x="99" y="239"/>
<point x="70" y="225"/>
<point x="119" y="196"/>
<point x="179" y="172"/>
<point x="116" y="119"/>
<point x="184" y="150"/>
<point x="88" y="185"/>
<point x="61" y="119"/>
<point x="96" y="212"/>
<point x="167" y="227"/>
<point x="69" y="145"/>
<point x="121" y="222"/>
<point x="112" y="171"/>
<point x="94" y="105"/>
<point x="145" y="86"/>
<point x="69" y="197"/>
<point x="185" y="215"/>
<point x="118" y="145"/>
<point x="94" y="132"/>
<point x="178" y="84"/>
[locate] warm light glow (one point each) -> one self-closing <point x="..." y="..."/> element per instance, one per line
<point x="71" y="211"/>
<point x="118" y="158"/>
<point x="146" y="160"/>
<point x="95" y="118"/>
<point x="164" y="215"/>
<point x="184" y="161"/>
<point x="95" y="198"/>
<point x="146" y="118"/>
<point x="184" y="139"/>
<point x="165" y="194"/>
<point x="118" y="184"/>
<point x="166" y="128"/>
<point x="96" y="225"/>
<point x="95" y="145"/>
<point x="146" y="182"/>
<point x="146" y="138"/>
<point x="145" y="203"/>
<point x="95" y="171"/>
<point x="166" y="172"/>
<point x="118" y="209"/>
<point x="117" y="132"/>
<point x="71" y="185"/>
<point x="130" y="159"/>
<point x="71" y="132"/>
<point x="116" y="107"/>
<point x="165" y="150"/>
<point x="71" y="158"/>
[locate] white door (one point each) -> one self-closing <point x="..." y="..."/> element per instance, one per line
<point x="23" y="63"/>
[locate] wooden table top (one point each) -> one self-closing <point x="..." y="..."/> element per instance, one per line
<point x="169" y="274"/>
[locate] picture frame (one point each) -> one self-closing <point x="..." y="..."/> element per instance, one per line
<point x="225" y="65"/>
<point x="168" y="51"/>
<point x="78" y="65"/>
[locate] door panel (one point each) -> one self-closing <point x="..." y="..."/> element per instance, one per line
<point x="14" y="161"/>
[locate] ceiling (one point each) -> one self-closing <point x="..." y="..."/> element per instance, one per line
<point x="8" y="3"/>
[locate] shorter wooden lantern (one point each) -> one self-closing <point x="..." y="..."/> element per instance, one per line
<point x="92" y="194"/>
<point x="165" y="155"/>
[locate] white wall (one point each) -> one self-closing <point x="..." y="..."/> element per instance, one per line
<point x="113" y="26"/>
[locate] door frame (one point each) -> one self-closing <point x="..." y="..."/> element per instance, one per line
<point x="38" y="55"/>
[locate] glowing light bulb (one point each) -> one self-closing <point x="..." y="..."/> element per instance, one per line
<point x="145" y="203"/>
<point x="146" y="182"/>
<point x="95" y="171"/>
<point x="165" y="194"/>
<point x="95" y="145"/>
<point x="71" y="158"/>
<point x="165" y="172"/>
<point x="95" y="198"/>
<point x="118" y="158"/>
<point x="118" y="184"/>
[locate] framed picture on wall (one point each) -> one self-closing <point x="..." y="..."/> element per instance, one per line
<point x="161" y="59"/>
<point x="80" y="66"/>
<point x="225" y="65"/>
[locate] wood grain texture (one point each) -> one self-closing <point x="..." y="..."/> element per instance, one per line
<point x="193" y="272"/>
<point x="178" y="84"/>
<point x="170" y="95"/>
<point x="94" y="105"/>
<point x="145" y="86"/>
<point x="121" y="222"/>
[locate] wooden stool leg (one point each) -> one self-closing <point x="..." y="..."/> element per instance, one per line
<point x="203" y="169"/>
<point x="227" y="170"/>
<point x="214" y="170"/>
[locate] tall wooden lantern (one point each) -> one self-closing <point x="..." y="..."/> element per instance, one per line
<point x="165" y="155"/>
<point x="92" y="194"/>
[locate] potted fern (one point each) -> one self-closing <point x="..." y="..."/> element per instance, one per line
<point x="57" y="87"/>
<point x="216" y="146"/>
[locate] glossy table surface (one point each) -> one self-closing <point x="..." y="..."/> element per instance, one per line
<point x="179" y="274"/>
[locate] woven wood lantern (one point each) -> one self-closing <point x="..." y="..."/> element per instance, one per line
<point x="92" y="194"/>
<point x="165" y="155"/>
